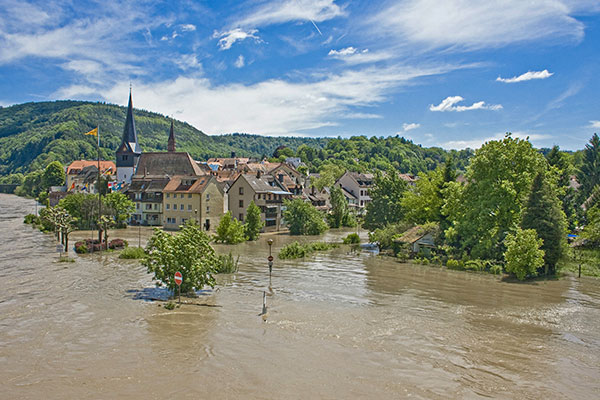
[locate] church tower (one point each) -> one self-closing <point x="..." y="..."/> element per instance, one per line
<point x="129" y="151"/>
<point x="171" y="144"/>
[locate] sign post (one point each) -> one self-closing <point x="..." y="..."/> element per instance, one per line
<point x="178" y="281"/>
<point x="270" y="258"/>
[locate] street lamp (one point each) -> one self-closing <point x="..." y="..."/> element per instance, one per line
<point x="270" y="258"/>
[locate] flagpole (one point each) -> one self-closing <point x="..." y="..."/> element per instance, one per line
<point x="99" y="187"/>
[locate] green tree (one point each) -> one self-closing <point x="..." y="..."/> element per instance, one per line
<point x="489" y="205"/>
<point x="54" y="175"/>
<point x="229" y="230"/>
<point x="523" y="255"/>
<point x="340" y="214"/>
<point x="386" y="204"/>
<point x="189" y="252"/>
<point x="32" y="184"/>
<point x="591" y="231"/>
<point x="119" y="206"/>
<point x="303" y="218"/>
<point x="423" y="202"/>
<point x="542" y="212"/>
<point x="328" y="175"/>
<point x="253" y="223"/>
<point x="589" y="172"/>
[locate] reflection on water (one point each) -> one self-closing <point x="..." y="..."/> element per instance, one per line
<point x="341" y="324"/>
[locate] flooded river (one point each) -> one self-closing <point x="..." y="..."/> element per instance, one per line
<point x="340" y="325"/>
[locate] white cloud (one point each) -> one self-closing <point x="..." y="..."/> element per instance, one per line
<point x="478" y="142"/>
<point x="277" y="12"/>
<point x="188" y="27"/>
<point x="449" y="104"/>
<point x="274" y="107"/>
<point x="240" y="62"/>
<point x="480" y="24"/>
<point x="353" y="56"/>
<point x="408" y="127"/>
<point x="527" y="76"/>
<point x="188" y="61"/>
<point x="227" y="39"/>
<point x="595" y="124"/>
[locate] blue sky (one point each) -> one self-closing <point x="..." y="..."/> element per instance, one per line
<point x="451" y="73"/>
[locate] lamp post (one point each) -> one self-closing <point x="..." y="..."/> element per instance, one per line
<point x="270" y="243"/>
<point x="196" y="216"/>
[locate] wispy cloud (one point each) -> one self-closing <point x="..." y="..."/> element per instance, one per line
<point x="228" y="38"/>
<point x="240" y="61"/>
<point x="409" y="127"/>
<point x="595" y="124"/>
<point x="277" y="12"/>
<point x="188" y="27"/>
<point x="353" y="56"/>
<point x="276" y="106"/>
<point x="480" y="24"/>
<point x="188" y="62"/>
<point x="558" y="102"/>
<point x="449" y="104"/>
<point x="527" y="76"/>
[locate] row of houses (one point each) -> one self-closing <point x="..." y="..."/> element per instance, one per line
<point x="170" y="188"/>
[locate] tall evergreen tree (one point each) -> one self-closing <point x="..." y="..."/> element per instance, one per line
<point x="589" y="173"/>
<point x="542" y="212"/>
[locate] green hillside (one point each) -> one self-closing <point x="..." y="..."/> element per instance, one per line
<point x="34" y="134"/>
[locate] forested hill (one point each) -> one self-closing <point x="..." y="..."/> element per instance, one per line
<point x="34" y="134"/>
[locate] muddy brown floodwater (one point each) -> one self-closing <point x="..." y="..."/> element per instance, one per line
<point x="340" y="325"/>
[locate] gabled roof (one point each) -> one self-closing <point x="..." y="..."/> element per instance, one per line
<point x="263" y="184"/>
<point x="76" y="166"/>
<point x="147" y="185"/>
<point x="167" y="164"/>
<point x="362" y="180"/>
<point x="188" y="184"/>
<point x="129" y="142"/>
<point x="413" y="234"/>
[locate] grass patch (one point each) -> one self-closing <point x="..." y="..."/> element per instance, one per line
<point x="297" y="250"/>
<point x="66" y="260"/>
<point x="132" y="253"/>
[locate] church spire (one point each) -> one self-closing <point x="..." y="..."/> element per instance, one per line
<point x="171" y="143"/>
<point x="129" y="140"/>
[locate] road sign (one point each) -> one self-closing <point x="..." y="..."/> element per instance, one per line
<point x="178" y="278"/>
<point x="270" y="258"/>
<point x="59" y="248"/>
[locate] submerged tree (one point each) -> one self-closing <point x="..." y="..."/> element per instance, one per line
<point x="253" y="223"/>
<point x="523" y="254"/>
<point x="542" y="212"/>
<point x="303" y="218"/>
<point x="189" y="252"/>
<point x="229" y="230"/>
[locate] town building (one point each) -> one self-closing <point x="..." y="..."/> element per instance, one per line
<point x="356" y="187"/>
<point x="84" y="172"/>
<point x="193" y="197"/>
<point x="266" y="192"/>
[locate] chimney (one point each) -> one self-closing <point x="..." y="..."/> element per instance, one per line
<point x="258" y="173"/>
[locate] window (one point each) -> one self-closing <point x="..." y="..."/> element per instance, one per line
<point x="189" y="195"/>
<point x="182" y="207"/>
<point x="207" y="209"/>
<point x="148" y="206"/>
<point x="189" y="207"/>
<point x="241" y="218"/>
<point x="125" y="157"/>
<point x="168" y="195"/>
<point x="182" y="221"/>
<point x="207" y="196"/>
<point x="155" y="206"/>
<point x="241" y="190"/>
<point x="241" y="203"/>
<point x="168" y="206"/>
<point x="175" y="206"/>
<point x="137" y="205"/>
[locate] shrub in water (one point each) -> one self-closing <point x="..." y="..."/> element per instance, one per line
<point x="132" y="253"/>
<point x="226" y="264"/>
<point x="352" y="238"/>
<point x="117" y="244"/>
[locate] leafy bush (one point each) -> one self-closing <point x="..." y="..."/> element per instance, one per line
<point x="226" y="264"/>
<point x="496" y="269"/>
<point x="454" y="264"/>
<point x="297" y="250"/>
<point x="31" y="219"/>
<point x="475" y="265"/>
<point x="352" y="238"/>
<point x="523" y="254"/>
<point x="81" y="248"/>
<point x="303" y="218"/>
<point x="230" y="230"/>
<point x="132" y="253"/>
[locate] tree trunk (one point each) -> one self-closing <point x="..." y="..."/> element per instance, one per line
<point x="67" y="243"/>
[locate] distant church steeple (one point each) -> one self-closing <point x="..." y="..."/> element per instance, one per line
<point x="129" y="151"/>
<point x="171" y="144"/>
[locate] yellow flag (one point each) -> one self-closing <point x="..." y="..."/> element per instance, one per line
<point x="93" y="132"/>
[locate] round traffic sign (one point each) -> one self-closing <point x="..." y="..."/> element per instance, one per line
<point x="178" y="278"/>
<point x="270" y="258"/>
